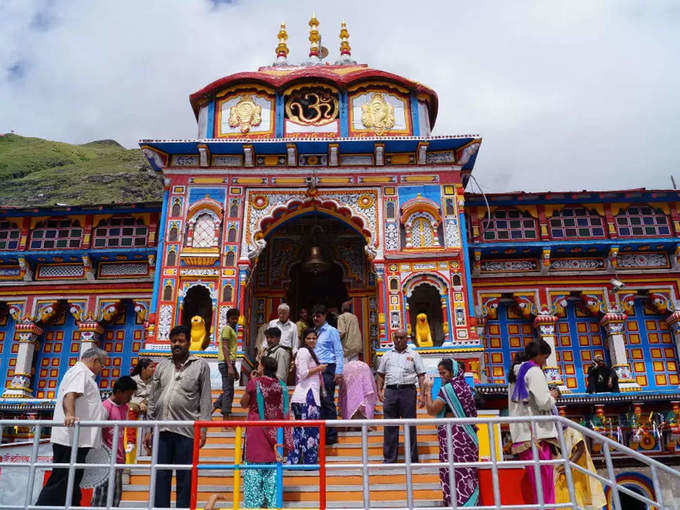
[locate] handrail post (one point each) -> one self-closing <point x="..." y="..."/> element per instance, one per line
<point x="612" y="476"/>
<point x="364" y="470"/>
<point x="407" y="463"/>
<point x="71" y="469"/>
<point x="236" y="494"/>
<point x="279" y="468"/>
<point x="535" y="460"/>
<point x="322" y="466"/>
<point x="194" y="465"/>
<point x="657" y="486"/>
<point x="494" y="466"/>
<point x="566" y="456"/>
<point x="31" y="470"/>
<point x="154" y="460"/>
<point x="452" y="470"/>
<point x="112" y="468"/>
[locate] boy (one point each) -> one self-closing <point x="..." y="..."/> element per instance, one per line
<point x="117" y="409"/>
<point x="279" y="353"/>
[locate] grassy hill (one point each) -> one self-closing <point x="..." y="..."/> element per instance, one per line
<point x="37" y="172"/>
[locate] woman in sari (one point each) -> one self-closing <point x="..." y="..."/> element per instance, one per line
<point x="455" y="400"/>
<point x="306" y="401"/>
<point x="266" y="398"/>
<point x="587" y="490"/>
<point x="529" y="395"/>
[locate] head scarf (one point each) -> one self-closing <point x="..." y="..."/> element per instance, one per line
<point x="521" y="393"/>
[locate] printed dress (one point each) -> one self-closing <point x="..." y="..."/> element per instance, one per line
<point x="306" y="405"/>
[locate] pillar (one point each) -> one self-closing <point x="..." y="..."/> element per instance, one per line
<point x="545" y="327"/>
<point x="380" y="284"/>
<point x="612" y="322"/>
<point x="445" y="321"/>
<point x="673" y="322"/>
<point x="90" y="334"/>
<point x="20" y="386"/>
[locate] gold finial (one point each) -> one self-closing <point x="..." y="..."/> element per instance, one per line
<point x="314" y="37"/>
<point x="282" y="47"/>
<point x="345" y="49"/>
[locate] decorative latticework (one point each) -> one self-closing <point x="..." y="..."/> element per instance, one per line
<point x="204" y="232"/>
<point x="510" y="224"/>
<point x="51" y="234"/>
<point x="644" y="221"/>
<point x="120" y="232"/>
<point x="9" y="236"/>
<point x="575" y="223"/>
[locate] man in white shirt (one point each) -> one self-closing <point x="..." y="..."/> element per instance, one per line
<point x="78" y="399"/>
<point x="289" y="330"/>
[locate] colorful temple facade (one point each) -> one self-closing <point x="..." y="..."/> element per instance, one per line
<point x="321" y="183"/>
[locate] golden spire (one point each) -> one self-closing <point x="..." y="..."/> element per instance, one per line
<point x="314" y="37"/>
<point x="345" y="49"/>
<point x="282" y="47"/>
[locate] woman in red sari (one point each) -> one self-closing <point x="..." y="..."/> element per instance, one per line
<point x="266" y="398"/>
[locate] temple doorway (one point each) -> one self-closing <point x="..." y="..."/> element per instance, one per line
<point x="313" y="258"/>
<point x="425" y="299"/>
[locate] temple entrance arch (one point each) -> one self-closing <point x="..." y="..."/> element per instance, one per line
<point x="311" y="257"/>
<point x="425" y="298"/>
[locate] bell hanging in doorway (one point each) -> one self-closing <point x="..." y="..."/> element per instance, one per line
<point x="315" y="263"/>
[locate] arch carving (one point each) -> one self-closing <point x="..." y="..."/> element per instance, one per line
<point x="416" y="279"/>
<point x="199" y="230"/>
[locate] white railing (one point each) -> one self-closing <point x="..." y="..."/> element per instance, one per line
<point x="494" y="462"/>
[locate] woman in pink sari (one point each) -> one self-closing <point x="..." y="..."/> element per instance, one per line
<point x="358" y="393"/>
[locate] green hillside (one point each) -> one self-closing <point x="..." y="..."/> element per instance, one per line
<point x="37" y="172"/>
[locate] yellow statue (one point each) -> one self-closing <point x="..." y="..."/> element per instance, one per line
<point x="245" y="114"/>
<point x="423" y="333"/>
<point x="377" y="114"/>
<point x="199" y="336"/>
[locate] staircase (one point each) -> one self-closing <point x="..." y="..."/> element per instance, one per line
<point x="301" y="488"/>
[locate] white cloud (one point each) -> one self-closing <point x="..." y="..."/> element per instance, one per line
<point x="567" y="94"/>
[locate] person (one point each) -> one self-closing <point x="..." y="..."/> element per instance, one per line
<point x="180" y="390"/>
<point x="266" y="398"/>
<point x="358" y="393"/>
<point x="277" y="352"/>
<point x="529" y="395"/>
<point x="587" y="490"/>
<point x="455" y="400"/>
<point x="302" y="324"/>
<point x="78" y="399"/>
<point x="226" y="363"/>
<point x="328" y="351"/>
<point x="306" y="401"/>
<point x="601" y="378"/>
<point x="289" y="331"/>
<point x="398" y="371"/>
<point x="117" y="408"/>
<point x="141" y="373"/>
<point x="350" y="335"/>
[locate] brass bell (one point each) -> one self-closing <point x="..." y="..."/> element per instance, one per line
<point x="315" y="263"/>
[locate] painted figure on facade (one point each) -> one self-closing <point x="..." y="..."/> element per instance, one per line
<point x="377" y="114"/>
<point x="423" y="332"/>
<point x="245" y="114"/>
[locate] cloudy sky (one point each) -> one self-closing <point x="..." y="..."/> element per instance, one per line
<point x="568" y="95"/>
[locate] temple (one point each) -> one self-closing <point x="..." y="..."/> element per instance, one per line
<point x="322" y="183"/>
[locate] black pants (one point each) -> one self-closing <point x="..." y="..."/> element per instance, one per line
<point x="174" y="449"/>
<point x="399" y="404"/>
<point x="328" y="409"/>
<point x="54" y="492"/>
<point x="225" y="400"/>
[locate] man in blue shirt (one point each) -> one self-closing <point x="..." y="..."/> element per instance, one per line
<point x="329" y="351"/>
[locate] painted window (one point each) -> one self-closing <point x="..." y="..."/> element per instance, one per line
<point x="172" y="236"/>
<point x="59" y="350"/>
<point x="120" y="232"/>
<point x="231" y="236"/>
<point x="576" y="222"/>
<point x="171" y="260"/>
<point x="233" y="210"/>
<point x="390" y="209"/>
<point x="421" y="233"/>
<point x="651" y="352"/>
<point x="204" y="232"/>
<point x="230" y="258"/>
<point x="56" y="234"/>
<point x="509" y="224"/>
<point x="122" y="340"/>
<point x="176" y="209"/>
<point x="642" y="221"/>
<point x="227" y="293"/>
<point x="578" y="339"/>
<point x="9" y="236"/>
<point x="505" y="336"/>
<point x="167" y="293"/>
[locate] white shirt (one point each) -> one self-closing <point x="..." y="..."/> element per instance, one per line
<point x="306" y="381"/>
<point x="88" y="407"/>
<point x="289" y="333"/>
<point x="540" y="403"/>
<point x="401" y="367"/>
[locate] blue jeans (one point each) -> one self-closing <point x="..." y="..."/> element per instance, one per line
<point x="174" y="449"/>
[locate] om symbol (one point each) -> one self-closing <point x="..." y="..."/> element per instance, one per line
<point x="312" y="107"/>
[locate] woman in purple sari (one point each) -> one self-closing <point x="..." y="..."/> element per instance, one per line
<point x="455" y="400"/>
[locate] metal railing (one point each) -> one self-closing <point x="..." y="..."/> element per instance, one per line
<point x="495" y="463"/>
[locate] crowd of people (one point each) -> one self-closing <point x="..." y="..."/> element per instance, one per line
<point x="317" y="357"/>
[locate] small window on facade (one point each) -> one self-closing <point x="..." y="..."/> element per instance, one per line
<point x="227" y="293"/>
<point x="9" y="236"/>
<point x="642" y="221"/>
<point x="175" y="209"/>
<point x="204" y="232"/>
<point x="575" y="223"/>
<point x="457" y="282"/>
<point x="394" y="284"/>
<point x="390" y="210"/>
<point x="230" y="258"/>
<point x="233" y="210"/>
<point x="167" y="293"/>
<point x="172" y="237"/>
<point x="450" y="209"/>
<point x="509" y="224"/>
<point x="231" y="237"/>
<point x="56" y="234"/>
<point x="172" y="258"/>
<point x="120" y="232"/>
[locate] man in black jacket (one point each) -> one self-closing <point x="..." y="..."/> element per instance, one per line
<point x="601" y="378"/>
